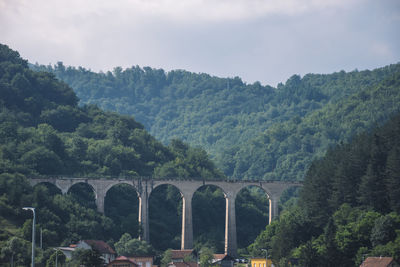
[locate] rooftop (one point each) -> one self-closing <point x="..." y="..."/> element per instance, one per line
<point x="100" y="246"/>
<point x="377" y="262"/>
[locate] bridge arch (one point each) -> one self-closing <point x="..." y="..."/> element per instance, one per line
<point x="122" y="204"/>
<point x="166" y="183"/>
<point x="165" y="203"/>
<point x="251" y="208"/>
<point x="209" y="214"/>
<point x="187" y="188"/>
<point x="119" y="183"/>
<point x="84" y="193"/>
<point x="88" y="185"/>
<point x="53" y="188"/>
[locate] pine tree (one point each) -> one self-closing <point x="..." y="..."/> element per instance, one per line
<point x="347" y="177"/>
<point x="393" y="178"/>
<point x="332" y="254"/>
<point x="372" y="191"/>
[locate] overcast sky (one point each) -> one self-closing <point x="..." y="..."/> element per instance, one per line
<point x="257" y="40"/>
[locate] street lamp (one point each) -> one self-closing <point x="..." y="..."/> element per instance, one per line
<point x="266" y="256"/>
<point x="33" y="233"/>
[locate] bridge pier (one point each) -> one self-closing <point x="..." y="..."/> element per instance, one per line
<point x="100" y="203"/>
<point x="230" y="225"/>
<point x="100" y="195"/>
<point x="187" y="221"/>
<point x="273" y="208"/>
<point x="144" y="231"/>
<point x="187" y="189"/>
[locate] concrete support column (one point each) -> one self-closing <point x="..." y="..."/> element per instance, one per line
<point x="187" y="223"/>
<point x="144" y="216"/>
<point x="64" y="191"/>
<point x="64" y="185"/>
<point x="230" y="226"/>
<point x="273" y="208"/>
<point x="100" y="196"/>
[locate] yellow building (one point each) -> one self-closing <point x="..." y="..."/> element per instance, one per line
<point x="260" y="262"/>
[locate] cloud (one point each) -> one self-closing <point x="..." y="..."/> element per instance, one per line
<point x="178" y="10"/>
<point x="266" y="40"/>
<point x="381" y="49"/>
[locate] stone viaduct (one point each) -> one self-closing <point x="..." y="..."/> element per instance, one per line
<point x="187" y="188"/>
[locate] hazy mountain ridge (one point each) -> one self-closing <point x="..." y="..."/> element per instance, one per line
<point x="224" y="115"/>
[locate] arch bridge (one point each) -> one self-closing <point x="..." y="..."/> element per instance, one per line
<point x="187" y="188"/>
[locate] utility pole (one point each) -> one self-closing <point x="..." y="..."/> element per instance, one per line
<point x="56" y="257"/>
<point x="33" y="233"/>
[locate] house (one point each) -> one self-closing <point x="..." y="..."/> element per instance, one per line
<point x="142" y="261"/>
<point x="107" y="253"/>
<point x="179" y="255"/>
<point x="260" y="262"/>
<point x="379" y="262"/>
<point x="67" y="250"/>
<point x="183" y="264"/>
<point x="223" y="260"/>
<point x="180" y="258"/>
<point x="122" y="261"/>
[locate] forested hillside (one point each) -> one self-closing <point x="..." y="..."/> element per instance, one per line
<point x="43" y="131"/>
<point x="252" y="131"/>
<point x="349" y="206"/>
<point x="285" y="150"/>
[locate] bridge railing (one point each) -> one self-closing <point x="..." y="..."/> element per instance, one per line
<point x="151" y="178"/>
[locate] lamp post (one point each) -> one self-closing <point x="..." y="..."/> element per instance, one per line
<point x="33" y="233"/>
<point x="266" y="256"/>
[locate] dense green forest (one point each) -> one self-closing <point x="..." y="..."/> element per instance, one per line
<point x="315" y="125"/>
<point x="251" y="131"/>
<point x="349" y="206"/>
<point x="43" y="132"/>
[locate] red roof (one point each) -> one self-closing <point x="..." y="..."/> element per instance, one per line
<point x="222" y="257"/>
<point x="180" y="254"/>
<point x="100" y="246"/>
<point x="122" y="259"/>
<point x="377" y="262"/>
<point x="184" y="264"/>
<point x="219" y="256"/>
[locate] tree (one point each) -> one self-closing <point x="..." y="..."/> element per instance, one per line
<point x="384" y="230"/>
<point x="57" y="255"/>
<point x="206" y="256"/>
<point x="393" y="178"/>
<point x="309" y="255"/>
<point x="293" y="229"/>
<point x="87" y="258"/>
<point x="43" y="161"/>
<point x="331" y="253"/>
<point x="17" y="250"/>
<point x="167" y="258"/>
<point x="372" y="188"/>
<point x="128" y="246"/>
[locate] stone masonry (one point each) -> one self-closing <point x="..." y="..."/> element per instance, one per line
<point x="187" y="188"/>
